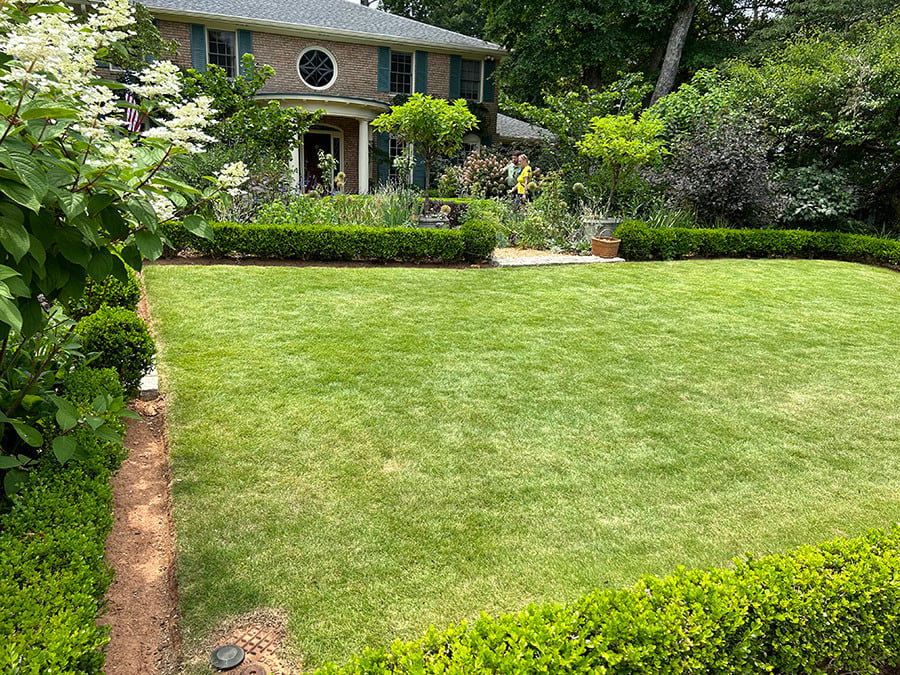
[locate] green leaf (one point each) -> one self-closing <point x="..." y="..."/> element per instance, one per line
<point x="106" y="433"/>
<point x="129" y="413"/>
<point x="101" y="265"/>
<point x="7" y="272"/>
<point x="64" y="448"/>
<point x="13" y="235"/>
<point x="56" y="113"/>
<point x="66" y="414"/>
<point x="10" y="315"/>
<point x="28" y="433"/>
<point x="149" y="244"/>
<point x="100" y="404"/>
<point x="30" y="172"/>
<point x="198" y="226"/>
<point x="132" y="257"/>
<point x="37" y="250"/>
<point x="72" y="203"/>
<point x="94" y="422"/>
<point x="7" y="462"/>
<point x="21" y="194"/>
<point x="13" y="481"/>
<point x="143" y="212"/>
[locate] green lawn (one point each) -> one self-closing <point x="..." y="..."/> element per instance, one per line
<point x="376" y="450"/>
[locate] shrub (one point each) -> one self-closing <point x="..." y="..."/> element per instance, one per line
<point x="817" y="199"/>
<point x="640" y="242"/>
<point x="817" y="609"/>
<point x="480" y="238"/>
<point x="123" y="341"/>
<point x="720" y="172"/>
<point x="111" y="292"/>
<point x="324" y="242"/>
<point x="483" y="174"/>
<point x="52" y="572"/>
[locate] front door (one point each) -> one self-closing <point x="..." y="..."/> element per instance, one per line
<point x="312" y="174"/>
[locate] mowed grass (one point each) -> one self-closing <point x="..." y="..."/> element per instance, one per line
<point x="376" y="450"/>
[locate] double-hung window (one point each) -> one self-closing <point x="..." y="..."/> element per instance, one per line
<point x="401" y="72"/>
<point x="222" y="50"/>
<point x="470" y="80"/>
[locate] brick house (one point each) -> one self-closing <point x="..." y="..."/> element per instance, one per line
<point x="350" y="60"/>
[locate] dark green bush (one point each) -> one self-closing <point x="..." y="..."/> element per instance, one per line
<point x="111" y="292"/>
<point x="323" y="242"/>
<point x="480" y="239"/>
<point x="819" y="609"/>
<point x="52" y="573"/>
<point x="123" y="341"/>
<point x="640" y="242"/>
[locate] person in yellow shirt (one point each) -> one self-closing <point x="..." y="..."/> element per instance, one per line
<point x="521" y="187"/>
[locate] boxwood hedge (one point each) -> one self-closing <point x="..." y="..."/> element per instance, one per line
<point x="640" y="242"/>
<point x="473" y="241"/>
<point x="831" y="608"/>
<point x="52" y="573"/>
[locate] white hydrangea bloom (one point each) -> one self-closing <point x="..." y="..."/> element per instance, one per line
<point x="158" y="79"/>
<point x="185" y="129"/>
<point x="231" y="177"/>
<point x="165" y="209"/>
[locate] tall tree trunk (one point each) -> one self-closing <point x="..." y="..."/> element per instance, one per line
<point x="677" y="38"/>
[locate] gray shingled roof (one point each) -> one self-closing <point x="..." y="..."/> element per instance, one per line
<point x="510" y="127"/>
<point x="329" y="17"/>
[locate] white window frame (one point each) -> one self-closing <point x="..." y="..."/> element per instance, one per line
<point x="235" y="59"/>
<point x="412" y="73"/>
<point x="324" y="129"/>
<point x="477" y="99"/>
<point x="333" y="61"/>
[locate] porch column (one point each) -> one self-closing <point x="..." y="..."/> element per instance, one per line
<point x="363" y="157"/>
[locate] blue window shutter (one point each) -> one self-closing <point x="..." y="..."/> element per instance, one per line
<point x="419" y="171"/>
<point x="487" y="94"/>
<point x="384" y="157"/>
<point x="422" y="72"/>
<point x="455" y="76"/>
<point x="198" y="47"/>
<point x="384" y="69"/>
<point x="245" y="45"/>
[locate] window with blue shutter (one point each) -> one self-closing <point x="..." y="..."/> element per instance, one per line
<point x="384" y="69"/>
<point x="198" y="47"/>
<point x="455" y="74"/>
<point x="245" y="46"/>
<point x="490" y="65"/>
<point x="422" y="72"/>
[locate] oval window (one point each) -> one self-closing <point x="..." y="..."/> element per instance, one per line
<point x="317" y="68"/>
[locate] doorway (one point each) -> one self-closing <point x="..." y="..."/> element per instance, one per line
<point x="312" y="175"/>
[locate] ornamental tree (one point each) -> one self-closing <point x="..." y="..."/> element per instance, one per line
<point x="433" y="126"/>
<point x="623" y="144"/>
<point x="80" y="196"/>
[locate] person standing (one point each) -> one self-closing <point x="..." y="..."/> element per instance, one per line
<point x="513" y="170"/>
<point x="522" y="181"/>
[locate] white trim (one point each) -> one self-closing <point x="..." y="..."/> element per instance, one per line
<point x="363" y="153"/>
<point x="480" y="81"/>
<point x="412" y="73"/>
<point x="237" y="61"/>
<point x="333" y="62"/>
<point x="332" y="105"/>
<point x="328" y="130"/>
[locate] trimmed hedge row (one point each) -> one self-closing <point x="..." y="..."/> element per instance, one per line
<point x="832" y="608"/>
<point x="52" y="573"/>
<point x="640" y="242"/>
<point x="472" y="241"/>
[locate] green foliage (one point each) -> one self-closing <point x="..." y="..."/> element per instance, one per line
<point x="479" y="239"/>
<point x="433" y="126"/>
<point x="110" y="292"/>
<point x="623" y="144"/>
<point x="721" y="173"/>
<point x="332" y="242"/>
<point x="460" y="16"/>
<point x="52" y="571"/>
<point x="143" y="45"/>
<point x="548" y="221"/>
<point x="827" y="609"/>
<point x="258" y="130"/>
<point x="123" y="341"/>
<point x="817" y="198"/>
<point x="640" y="242"/>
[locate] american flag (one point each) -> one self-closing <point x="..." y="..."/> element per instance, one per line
<point x="133" y="118"/>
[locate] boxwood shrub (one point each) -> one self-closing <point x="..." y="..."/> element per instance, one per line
<point x="52" y="573"/>
<point x="640" y="242"/>
<point x="123" y="342"/>
<point x="325" y="242"/>
<point x="818" y="609"/>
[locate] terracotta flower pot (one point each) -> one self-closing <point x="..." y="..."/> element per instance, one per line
<point x="605" y="247"/>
